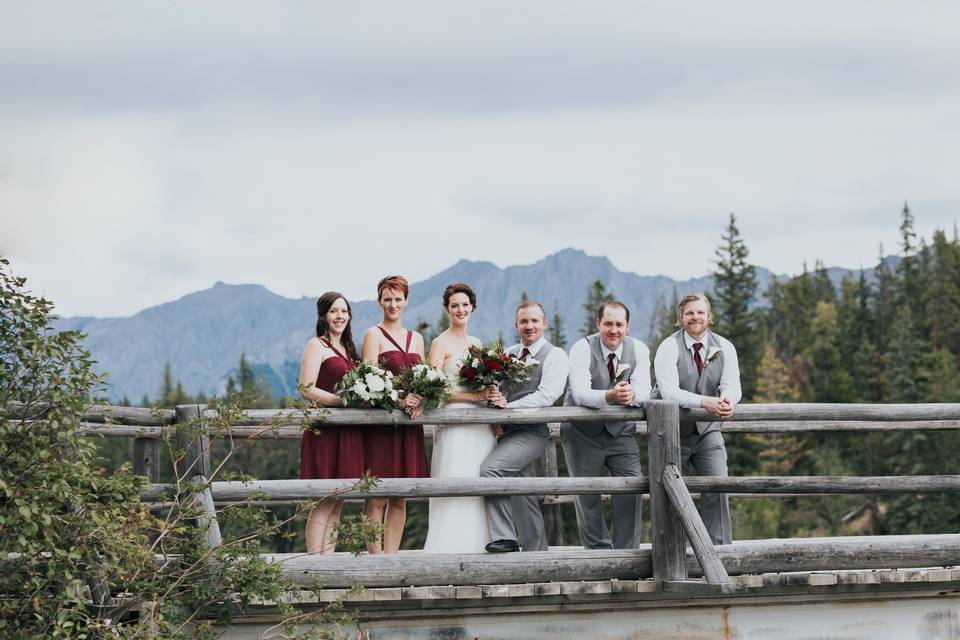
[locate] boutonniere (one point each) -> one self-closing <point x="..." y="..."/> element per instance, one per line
<point x="621" y="371"/>
<point x="713" y="353"/>
<point x="530" y="361"/>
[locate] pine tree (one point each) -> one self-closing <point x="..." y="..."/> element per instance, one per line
<point x="885" y="302"/>
<point x="735" y="287"/>
<point x="906" y="359"/>
<point x="167" y="387"/>
<point x="774" y="383"/>
<point x="597" y="294"/>
<point x="823" y="288"/>
<point x="830" y="381"/>
<point x="942" y="293"/>
<point x="943" y="379"/>
<point x="557" y="335"/>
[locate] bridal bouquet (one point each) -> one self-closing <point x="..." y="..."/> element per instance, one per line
<point x="428" y="383"/>
<point x="490" y="365"/>
<point x="368" y="385"/>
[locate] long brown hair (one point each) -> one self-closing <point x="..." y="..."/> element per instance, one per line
<point x="324" y="303"/>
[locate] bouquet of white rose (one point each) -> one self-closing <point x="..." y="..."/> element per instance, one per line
<point x="428" y="383"/>
<point x="368" y="385"/>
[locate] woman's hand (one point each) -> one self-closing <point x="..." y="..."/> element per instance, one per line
<point x="493" y="397"/>
<point x="413" y="405"/>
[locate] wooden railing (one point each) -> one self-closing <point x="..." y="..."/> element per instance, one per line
<point x="675" y="521"/>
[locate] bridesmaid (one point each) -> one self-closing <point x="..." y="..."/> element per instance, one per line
<point x="391" y="452"/>
<point x="337" y="451"/>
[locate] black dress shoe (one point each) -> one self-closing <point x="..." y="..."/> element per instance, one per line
<point x="503" y="546"/>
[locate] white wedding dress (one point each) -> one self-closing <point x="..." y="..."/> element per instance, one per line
<point x="458" y="525"/>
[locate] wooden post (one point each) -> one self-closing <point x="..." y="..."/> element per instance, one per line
<point x="663" y="441"/>
<point x="146" y="458"/>
<point x="195" y="466"/>
<point x="693" y="526"/>
<point x="552" y="519"/>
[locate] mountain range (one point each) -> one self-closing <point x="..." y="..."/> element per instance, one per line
<point x="203" y="334"/>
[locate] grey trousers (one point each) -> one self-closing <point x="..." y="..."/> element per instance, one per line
<point x="588" y="456"/>
<point x="507" y="516"/>
<point x="707" y="455"/>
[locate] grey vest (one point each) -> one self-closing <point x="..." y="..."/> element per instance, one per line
<point x="600" y="379"/>
<point x="520" y="389"/>
<point x="705" y="384"/>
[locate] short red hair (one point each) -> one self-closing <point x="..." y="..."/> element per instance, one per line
<point x="397" y="283"/>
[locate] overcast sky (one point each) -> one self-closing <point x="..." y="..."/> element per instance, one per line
<point x="149" y="149"/>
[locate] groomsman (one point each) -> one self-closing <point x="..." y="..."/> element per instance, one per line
<point x="607" y="368"/>
<point x="520" y="445"/>
<point x="699" y="369"/>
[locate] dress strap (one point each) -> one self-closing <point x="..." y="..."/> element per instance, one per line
<point x="409" y="338"/>
<point x="394" y="342"/>
<point x="334" y="349"/>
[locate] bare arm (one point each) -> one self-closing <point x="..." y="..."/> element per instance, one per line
<point x="313" y="356"/>
<point x="370" y="351"/>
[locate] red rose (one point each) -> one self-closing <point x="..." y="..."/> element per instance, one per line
<point x="493" y="365"/>
<point x="468" y="372"/>
<point x="505" y="357"/>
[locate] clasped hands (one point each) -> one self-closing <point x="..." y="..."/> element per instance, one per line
<point x="720" y="407"/>
<point x="621" y="393"/>
<point x="493" y="397"/>
<point x="412" y="404"/>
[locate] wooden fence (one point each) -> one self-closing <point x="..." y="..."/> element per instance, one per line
<point x="675" y="521"/>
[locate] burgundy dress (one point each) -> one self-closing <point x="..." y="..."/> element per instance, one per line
<point x="337" y="451"/>
<point x="396" y="452"/>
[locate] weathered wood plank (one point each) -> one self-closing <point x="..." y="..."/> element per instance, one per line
<point x="663" y="442"/>
<point x="129" y="415"/>
<point x="293" y="432"/>
<point x="824" y="484"/>
<point x="693" y="526"/>
<point x="847" y="552"/>
<point x="207" y="520"/>
<point x="293" y="490"/>
<point x="471" y="569"/>
<point x="193" y="444"/>
<point x="146" y="458"/>
<point x="824" y="411"/>
<point x="745" y="557"/>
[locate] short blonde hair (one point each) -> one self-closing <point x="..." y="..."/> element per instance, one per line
<point x="529" y="304"/>
<point x="693" y="297"/>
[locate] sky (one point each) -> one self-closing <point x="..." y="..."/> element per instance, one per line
<point x="150" y="149"/>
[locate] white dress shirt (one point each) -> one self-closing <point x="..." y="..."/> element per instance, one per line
<point x="581" y="382"/>
<point x="668" y="378"/>
<point x="553" y="377"/>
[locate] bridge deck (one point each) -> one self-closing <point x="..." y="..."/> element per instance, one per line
<point x="885" y="603"/>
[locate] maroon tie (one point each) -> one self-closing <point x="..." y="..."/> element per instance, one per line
<point x="696" y="356"/>
<point x="524" y="354"/>
<point x="610" y="369"/>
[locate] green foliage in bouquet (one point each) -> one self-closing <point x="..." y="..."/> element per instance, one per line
<point x="428" y="383"/>
<point x="367" y="385"/>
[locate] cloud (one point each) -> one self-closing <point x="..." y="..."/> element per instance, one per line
<point x="151" y="151"/>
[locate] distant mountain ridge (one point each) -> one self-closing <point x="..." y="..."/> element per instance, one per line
<point x="203" y="334"/>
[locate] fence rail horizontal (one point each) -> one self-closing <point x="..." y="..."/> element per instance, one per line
<point x="820" y="412"/>
<point x="461" y="487"/>
<point x="741" y="557"/>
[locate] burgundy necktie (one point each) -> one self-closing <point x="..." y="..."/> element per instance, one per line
<point x="524" y="354"/>
<point x="610" y="366"/>
<point x="696" y="356"/>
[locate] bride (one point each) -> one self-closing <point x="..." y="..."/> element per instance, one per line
<point x="458" y="525"/>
